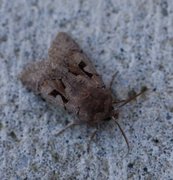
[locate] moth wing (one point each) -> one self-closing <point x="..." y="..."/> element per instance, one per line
<point x="66" y="78"/>
<point x="66" y="53"/>
<point x="33" y="75"/>
<point x="39" y="78"/>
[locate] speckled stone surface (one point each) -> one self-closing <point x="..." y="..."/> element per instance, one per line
<point x="133" y="38"/>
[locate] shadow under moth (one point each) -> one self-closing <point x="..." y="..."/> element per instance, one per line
<point x="68" y="79"/>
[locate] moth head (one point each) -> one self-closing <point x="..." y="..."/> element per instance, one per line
<point x="96" y="105"/>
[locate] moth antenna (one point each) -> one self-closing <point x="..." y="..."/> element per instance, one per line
<point x="123" y="133"/>
<point x="131" y="98"/>
<point x="67" y="127"/>
<point x="91" y="138"/>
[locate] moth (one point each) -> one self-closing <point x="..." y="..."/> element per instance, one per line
<point x="69" y="80"/>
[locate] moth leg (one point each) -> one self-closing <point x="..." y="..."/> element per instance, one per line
<point x="115" y="113"/>
<point x="117" y="102"/>
<point x="90" y="139"/>
<point x="112" y="80"/>
<point x="67" y="127"/>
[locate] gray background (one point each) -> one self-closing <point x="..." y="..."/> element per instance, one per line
<point x="131" y="37"/>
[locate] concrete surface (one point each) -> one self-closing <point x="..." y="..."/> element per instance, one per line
<point x="133" y="38"/>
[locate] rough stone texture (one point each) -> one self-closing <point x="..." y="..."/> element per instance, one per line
<point x="133" y="38"/>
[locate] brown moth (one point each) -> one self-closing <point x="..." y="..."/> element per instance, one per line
<point x="68" y="79"/>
